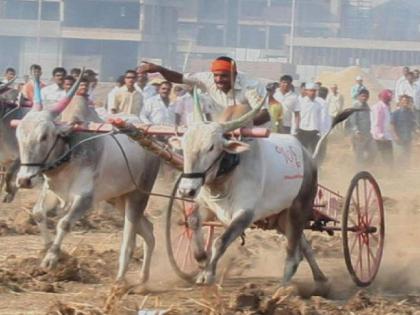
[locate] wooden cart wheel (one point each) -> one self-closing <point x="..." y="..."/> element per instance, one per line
<point x="179" y="236"/>
<point x="363" y="228"/>
<point x="2" y="178"/>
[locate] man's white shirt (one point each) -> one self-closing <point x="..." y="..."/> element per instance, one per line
<point x="246" y="91"/>
<point x="156" y="112"/>
<point x="311" y="115"/>
<point x="290" y="104"/>
<point x="52" y="93"/>
<point x="399" y="85"/>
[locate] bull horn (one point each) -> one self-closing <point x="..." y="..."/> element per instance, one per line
<point x="61" y="105"/>
<point x="198" y="113"/>
<point x="244" y="119"/>
<point x="37" y="105"/>
<point x="6" y="85"/>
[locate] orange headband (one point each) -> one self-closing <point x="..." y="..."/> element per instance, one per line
<point x="222" y="65"/>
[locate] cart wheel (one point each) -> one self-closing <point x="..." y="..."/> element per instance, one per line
<point x="179" y="237"/>
<point x="363" y="228"/>
<point x="2" y="178"/>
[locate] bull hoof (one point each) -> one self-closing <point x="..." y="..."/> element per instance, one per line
<point x="8" y="198"/>
<point x="201" y="259"/>
<point x="322" y="288"/>
<point x="205" y="278"/>
<point x="50" y="261"/>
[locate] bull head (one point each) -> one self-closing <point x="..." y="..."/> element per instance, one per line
<point x="40" y="140"/>
<point x="204" y="145"/>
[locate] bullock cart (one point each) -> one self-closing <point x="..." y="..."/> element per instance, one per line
<point x="358" y="215"/>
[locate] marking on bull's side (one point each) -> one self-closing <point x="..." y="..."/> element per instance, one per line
<point x="290" y="156"/>
<point x="293" y="176"/>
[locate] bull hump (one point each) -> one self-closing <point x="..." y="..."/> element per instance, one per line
<point x="79" y="111"/>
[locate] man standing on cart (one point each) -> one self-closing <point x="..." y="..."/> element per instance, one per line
<point x="232" y="92"/>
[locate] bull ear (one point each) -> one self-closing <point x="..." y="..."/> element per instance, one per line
<point x="65" y="129"/>
<point x="235" y="147"/>
<point x="175" y="142"/>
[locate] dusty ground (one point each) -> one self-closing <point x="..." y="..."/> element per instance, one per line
<point x="250" y="274"/>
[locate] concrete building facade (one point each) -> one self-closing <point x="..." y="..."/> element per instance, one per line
<point x="111" y="35"/>
<point x="106" y="35"/>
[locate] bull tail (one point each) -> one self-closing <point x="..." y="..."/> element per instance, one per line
<point x="341" y="116"/>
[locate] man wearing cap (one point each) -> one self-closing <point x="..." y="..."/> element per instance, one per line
<point x="310" y="118"/>
<point x="357" y="88"/>
<point x="232" y="92"/>
<point x="335" y="101"/>
<point x="290" y="103"/>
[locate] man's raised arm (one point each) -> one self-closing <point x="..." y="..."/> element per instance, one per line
<point x="169" y="75"/>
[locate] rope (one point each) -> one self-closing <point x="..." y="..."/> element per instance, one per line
<point x="134" y="180"/>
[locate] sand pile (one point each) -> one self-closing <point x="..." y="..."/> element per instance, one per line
<point x="346" y="79"/>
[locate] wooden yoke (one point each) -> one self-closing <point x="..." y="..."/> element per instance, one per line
<point x="143" y="134"/>
<point x="150" y="144"/>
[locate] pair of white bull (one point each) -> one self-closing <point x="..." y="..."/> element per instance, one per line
<point x="276" y="175"/>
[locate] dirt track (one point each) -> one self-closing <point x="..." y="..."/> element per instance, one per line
<point x="251" y="273"/>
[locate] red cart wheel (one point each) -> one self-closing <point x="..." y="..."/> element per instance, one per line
<point x="179" y="237"/>
<point x="2" y="178"/>
<point x="363" y="228"/>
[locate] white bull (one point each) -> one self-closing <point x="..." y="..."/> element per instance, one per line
<point x="95" y="171"/>
<point x="275" y="176"/>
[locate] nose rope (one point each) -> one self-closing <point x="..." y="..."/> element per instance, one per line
<point x="203" y="175"/>
<point x="48" y="154"/>
<point x="64" y="157"/>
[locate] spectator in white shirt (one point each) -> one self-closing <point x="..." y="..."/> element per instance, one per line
<point x="326" y="119"/>
<point x="335" y="101"/>
<point x="92" y="78"/>
<point x="290" y="103"/>
<point x="184" y="105"/>
<point x="301" y="92"/>
<point x="143" y="85"/>
<point x="111" y="95"/>
<point x="231" y="91"/>
<point x="159" y="109"/>
<point x="310" y="118"/>
<point x="401" y="81"/>
<point x="54" y="92"/>
<point x="416" y="75"/>
<point x="409" y="86"/>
